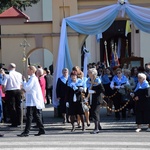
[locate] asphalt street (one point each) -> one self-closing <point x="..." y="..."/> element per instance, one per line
<point x="115" y="135"/>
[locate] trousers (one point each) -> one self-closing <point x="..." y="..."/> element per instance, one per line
<point x="37" y="113"/>
<point x="14" y="105"/>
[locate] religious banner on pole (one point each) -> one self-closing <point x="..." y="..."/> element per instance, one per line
<point x="106" y="61"/>
<point x="116" y="56"/>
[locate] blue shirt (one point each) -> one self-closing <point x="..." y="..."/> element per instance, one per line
<point x="142" y="85"/>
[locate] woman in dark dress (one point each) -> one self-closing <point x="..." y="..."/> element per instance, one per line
<point x="95" y="87"/>
<point x="134" y="74"/>
<point x="61" y="92"/>
<point x="118" y="84"/>
<point x="75" y="89"/>
<point x="131" y="104"/>
<point x="141" y="96"/>
<point x="80" y="75"/>
<point x="106" y="80"/>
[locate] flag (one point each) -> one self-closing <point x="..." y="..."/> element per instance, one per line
<point x="106" y="62"/>
<point x="116" y="56"/>
<point x="119" y="47"/>
<point x="116" y="59"/>
<point x="112" y="59"/>
<point x="112" y="54"/>
<point x="99" y="36"/>
<point x="128" y="28"/>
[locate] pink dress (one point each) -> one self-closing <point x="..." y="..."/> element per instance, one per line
<point x="1" y="92"/>
<point x="43" y="85"/>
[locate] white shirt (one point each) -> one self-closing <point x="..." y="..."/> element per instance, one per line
<point x="13" y="81"/>
<point x="33" y="93"/>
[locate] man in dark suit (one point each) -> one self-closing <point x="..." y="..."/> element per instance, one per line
<point x="49" y="86"/>
<point x="51" y="69"/>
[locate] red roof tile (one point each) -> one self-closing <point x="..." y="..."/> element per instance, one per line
<point x="13" y="12"/>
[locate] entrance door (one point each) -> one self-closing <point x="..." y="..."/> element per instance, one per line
<point x="116" y="34"/>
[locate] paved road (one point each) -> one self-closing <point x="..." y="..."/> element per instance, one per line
<point x="118" y="135"/>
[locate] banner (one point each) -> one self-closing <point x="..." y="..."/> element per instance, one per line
<point x="128" y="28"/>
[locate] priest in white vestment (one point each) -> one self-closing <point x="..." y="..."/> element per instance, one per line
<point x="34" y="102"/>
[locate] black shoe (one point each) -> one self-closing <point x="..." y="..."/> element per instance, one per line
<point x="73" y="129"/>
<point x="40" y="133"/>
<point x="83" y="129"/>
<point x="35" y="126"/>
<point x="1" y="135"/>
<point x="12" y="126"/>
<point x="88" y="124"/>
<point x="100" y="128"/>
<point x="23" y="134"/>
<point x="64" y="121"/>
<point x="68" y="121"/>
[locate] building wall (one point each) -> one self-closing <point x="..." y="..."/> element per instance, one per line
<point x="47" y="16"/>
<point x="145" y="46"/>
<point x="41" y="11"/>
<point x="59" y="12"/>
<point x="35" y="12"/>
<point x="139" y="40"/>
<point x="11" y="49"/>
<point x="12" y="52"/>
<point x="94" y="48"/>
<point x="47" y="10"/>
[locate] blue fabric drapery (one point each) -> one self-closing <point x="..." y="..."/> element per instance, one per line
<point x="140" y="17"/>
<point x="93" y="23"/>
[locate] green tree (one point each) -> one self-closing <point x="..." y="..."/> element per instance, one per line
<point x="20" y="4"/>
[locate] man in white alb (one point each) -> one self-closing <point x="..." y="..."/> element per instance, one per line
<point x="34" y="103"/>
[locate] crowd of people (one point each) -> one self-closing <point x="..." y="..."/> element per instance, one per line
<point x="36" y="90"/>
<point x="125" y="89"/>
<point x="80" y="97"/>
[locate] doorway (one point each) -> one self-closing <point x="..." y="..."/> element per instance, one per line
<point x="115" y="34"/>
<point x="41" y="57"/>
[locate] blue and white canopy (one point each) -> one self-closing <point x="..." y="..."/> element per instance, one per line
<point x="93" y="23"/>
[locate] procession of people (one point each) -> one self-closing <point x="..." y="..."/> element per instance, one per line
<point x="125" y="92"/>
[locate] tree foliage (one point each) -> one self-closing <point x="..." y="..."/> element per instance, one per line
<point x="20" y="4"/>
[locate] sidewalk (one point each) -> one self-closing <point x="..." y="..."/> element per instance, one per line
<point x="115" y="135"/>
<point x="107" y="122"/>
